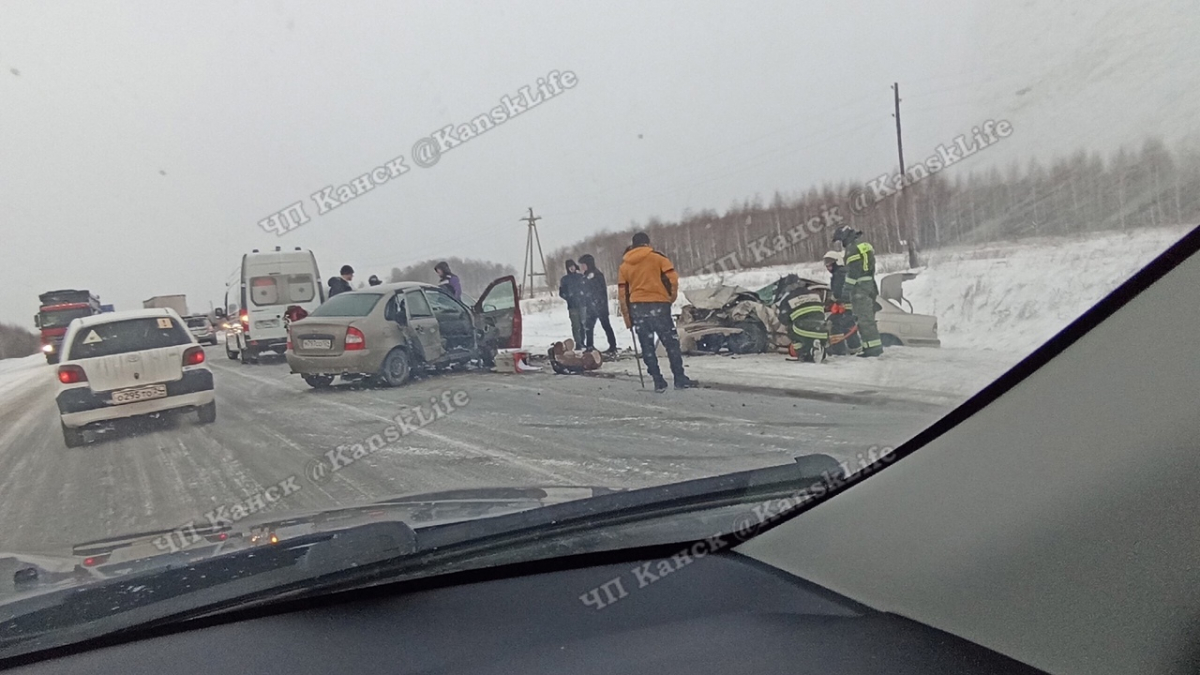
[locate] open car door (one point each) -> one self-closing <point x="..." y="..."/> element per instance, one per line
<point x="500" y="302"/>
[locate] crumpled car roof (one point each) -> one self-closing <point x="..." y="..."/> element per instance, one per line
<point x="714" y="297"/>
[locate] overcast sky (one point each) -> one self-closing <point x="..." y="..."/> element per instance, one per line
<point x="142" y="142"/>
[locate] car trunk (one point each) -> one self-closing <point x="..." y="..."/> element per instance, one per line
<point x="319" y="337"/>
<point x="134" y="369"/>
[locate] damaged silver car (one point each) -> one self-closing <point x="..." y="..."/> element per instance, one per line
<point x="737" y="320"/>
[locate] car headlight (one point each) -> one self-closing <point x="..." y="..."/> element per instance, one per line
<point x="47" y="348"/>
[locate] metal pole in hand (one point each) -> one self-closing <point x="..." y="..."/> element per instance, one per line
<point x="637" y="358"/>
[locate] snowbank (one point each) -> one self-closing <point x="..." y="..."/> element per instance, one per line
<point x="16" y="373"/>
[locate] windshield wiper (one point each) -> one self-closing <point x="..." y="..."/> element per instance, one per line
<point x="529" y="534"/>
<point x="328" y="562"/>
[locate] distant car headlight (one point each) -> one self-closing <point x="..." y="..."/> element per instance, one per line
<point x="47" y="348"/>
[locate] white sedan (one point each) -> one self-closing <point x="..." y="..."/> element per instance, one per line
<point x="127" y="364"/>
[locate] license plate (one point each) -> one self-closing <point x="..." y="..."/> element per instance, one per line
<point x="267" y="323"/>
<point x="316" y="344"/>
<point x="140" y="394"/>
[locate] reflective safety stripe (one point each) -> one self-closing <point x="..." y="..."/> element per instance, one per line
<point x="806" y="310"/>
<point x="854" y="257"/>
<point x="868" y="344"/>
<point x="810" y="334"/>
<point x="866" y="250"/>
<point x="850" y="282"/>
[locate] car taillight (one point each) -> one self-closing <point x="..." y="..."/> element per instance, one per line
<point x="355" y="339"/>
<point x="194" y="356"/>
<point x="71" y="374"/>
<point x="244" y="318"/>
<point x="93" y="560"/>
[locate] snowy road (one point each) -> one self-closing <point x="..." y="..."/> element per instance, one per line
<point x="532" y="429"/>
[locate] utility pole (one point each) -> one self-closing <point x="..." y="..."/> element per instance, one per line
<point x="529" y="273"/>
<point x="899" y="138"/>
<point x="910" y="231"/>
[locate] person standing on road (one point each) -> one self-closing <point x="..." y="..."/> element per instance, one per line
<point x="860" y="283"/>
<point x="570" y="288"/>
<point x="843" y="338"/>
<point x="647" y="286"/>
<point x="449" y="280"/>
<point x="595" y="302"/>
<point x="341" y="284"/>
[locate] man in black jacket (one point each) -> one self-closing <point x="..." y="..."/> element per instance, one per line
<point x="595" y="302"/>
<point x="570" y="288"/>
<point x="341" y="284"/>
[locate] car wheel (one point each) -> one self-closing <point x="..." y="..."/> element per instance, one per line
<point x="318" y="381"/>
<point x="890" y="340"/>
<point x="752" y="339"/>
<point x="230" y="353"/>
<point x="73" y="438"/>
<point x="396" y="368"/>
<point x="710" y="343"/>
<point x="207" y="413"/>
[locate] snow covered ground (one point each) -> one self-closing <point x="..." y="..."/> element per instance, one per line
<point x="15" y="373"/>
<point x="995" y="304"/>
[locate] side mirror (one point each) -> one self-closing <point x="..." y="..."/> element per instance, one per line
<point x="219" y="313"/>
<point x="37" y="320"/>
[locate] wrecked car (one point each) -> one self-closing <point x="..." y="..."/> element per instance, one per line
<point x="388" y="331"/>
<point x="741" y="321"/>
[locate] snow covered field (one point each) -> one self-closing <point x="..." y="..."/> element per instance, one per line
<point x="995" y="304"/>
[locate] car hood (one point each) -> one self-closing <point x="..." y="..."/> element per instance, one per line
<point x="716" y="297"/>
<point x="22" y="572"/>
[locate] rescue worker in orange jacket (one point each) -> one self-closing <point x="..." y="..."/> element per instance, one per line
<point x="647" y="285"/>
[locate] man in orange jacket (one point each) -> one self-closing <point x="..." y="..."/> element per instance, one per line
<point x="647" y="285"/>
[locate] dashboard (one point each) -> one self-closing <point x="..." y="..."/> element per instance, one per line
<point x="716" y="613"/>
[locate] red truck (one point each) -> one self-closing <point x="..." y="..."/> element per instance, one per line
<point x="55" y="312"/>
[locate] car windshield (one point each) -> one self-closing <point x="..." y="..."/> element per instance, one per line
<point x="350" y="304"/>
<point x="61" y="318"/>
<point x="675" y="228"/>
<point x="132" y="335"/>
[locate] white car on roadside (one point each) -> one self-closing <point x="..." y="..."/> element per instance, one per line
<point x="128" y="364"/>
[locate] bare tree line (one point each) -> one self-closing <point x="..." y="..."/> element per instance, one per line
<point x="475" y="275"/>
<point x="1083" y="192"/>
<point x="16" y="341"/>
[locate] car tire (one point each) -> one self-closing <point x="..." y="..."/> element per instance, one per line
<point x="72" y="438"/>
<point x="752" y="339"/>
<point x="396" y="368"/>
<point x="710" y="343"/>
<point x="318" y="381"/>
<point x="890" y="340"/>
<point x="233" y="356"/>
<point x="207" y="413"/>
